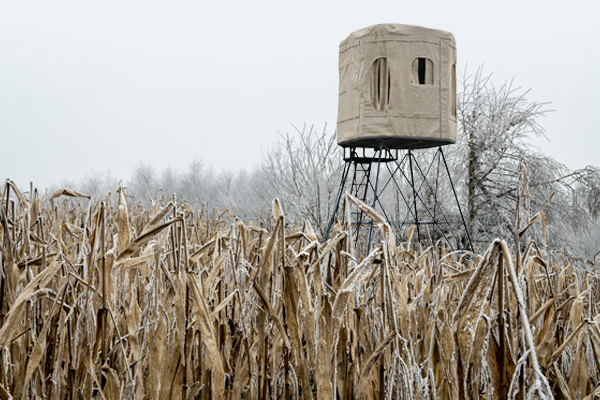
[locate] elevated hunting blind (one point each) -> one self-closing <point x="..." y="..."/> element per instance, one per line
<point x="397" y="95"/>
<point x="397" y="87"/>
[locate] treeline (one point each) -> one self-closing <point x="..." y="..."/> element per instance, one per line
<point x="302" y="169"/>
<point x="197" y="184"/>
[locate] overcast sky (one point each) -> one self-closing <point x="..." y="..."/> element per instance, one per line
<point x="95" y="85"/>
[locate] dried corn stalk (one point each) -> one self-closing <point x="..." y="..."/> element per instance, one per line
<point x="110" y="301"/>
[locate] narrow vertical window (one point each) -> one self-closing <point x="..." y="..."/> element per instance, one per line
<point x="453" y="90"/>
<point x="422" y="71"/>
<point x="380" y="84"/>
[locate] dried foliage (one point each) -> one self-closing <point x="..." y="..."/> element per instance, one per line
<point x="109" y="301"/>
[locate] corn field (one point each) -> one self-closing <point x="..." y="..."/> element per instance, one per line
<point x="109" y="301"/>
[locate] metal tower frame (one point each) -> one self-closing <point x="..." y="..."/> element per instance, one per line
<point x="365" y="167"/>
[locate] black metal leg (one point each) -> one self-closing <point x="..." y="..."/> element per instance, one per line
<point x="457" y="202"/>
<point x="412" y="185"/>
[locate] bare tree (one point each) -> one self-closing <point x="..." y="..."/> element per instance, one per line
<point x="192" y="182"/>
<point x="245" y="194"/>
<point x="304" y="171"/>
<point x="495" y="124"/>
<point x="143" y="184"/>
<point x="97" y="184"/>
<point x="169" y="181"/>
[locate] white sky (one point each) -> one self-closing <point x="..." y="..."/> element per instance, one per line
<point x="95" y="85"/>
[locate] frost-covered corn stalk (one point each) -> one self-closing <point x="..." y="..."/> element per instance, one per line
<point x="111" y="300"/>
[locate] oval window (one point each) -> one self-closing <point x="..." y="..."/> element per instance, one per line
<point x="380" y="84"/>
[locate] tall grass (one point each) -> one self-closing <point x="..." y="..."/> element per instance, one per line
<point x="109" y="301"/>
